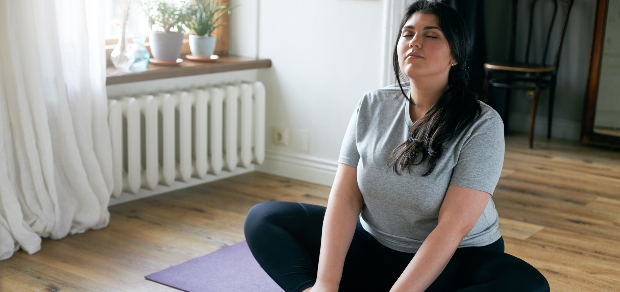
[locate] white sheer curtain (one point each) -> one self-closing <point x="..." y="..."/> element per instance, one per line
<point x="55" y="153"/>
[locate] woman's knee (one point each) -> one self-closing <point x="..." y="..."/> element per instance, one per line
<point x="529" y="278"/>
<point x="512" y="273"/>
<point x="265" y="217"/>
<point x="259" y="215"/>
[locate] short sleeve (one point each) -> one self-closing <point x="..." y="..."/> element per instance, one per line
<point x="349" y="154"/>
<point x="481" y="157"/>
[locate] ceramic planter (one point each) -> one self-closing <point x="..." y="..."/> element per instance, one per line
<point x="202" y="46"/>
<point x="166" y="46"/>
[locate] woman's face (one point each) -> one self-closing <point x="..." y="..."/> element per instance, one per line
<point x="423" y="50"/>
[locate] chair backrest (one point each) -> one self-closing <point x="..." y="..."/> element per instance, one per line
<point x="547" y="24"/>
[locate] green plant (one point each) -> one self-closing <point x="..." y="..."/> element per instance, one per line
<point x="203" y="16"/>
<point x="166" y="15"/>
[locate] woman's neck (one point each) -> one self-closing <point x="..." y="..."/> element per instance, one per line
<point x="423" y="96"/>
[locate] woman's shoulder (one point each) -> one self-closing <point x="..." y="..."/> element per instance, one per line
<point x="489" y="113"/>
<point x="384" y="94"/>
<point x="488" y="120"/>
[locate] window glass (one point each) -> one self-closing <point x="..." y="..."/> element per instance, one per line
<point x="137" y="22"/>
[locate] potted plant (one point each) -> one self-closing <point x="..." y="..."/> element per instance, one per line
<point x="202" y="19"/>
<point x="166" y="20"/>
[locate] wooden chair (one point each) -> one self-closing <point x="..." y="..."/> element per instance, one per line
<point x="532" y="75"/>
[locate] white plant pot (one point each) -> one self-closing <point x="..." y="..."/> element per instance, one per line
<point x="202" y="46"/>
<point x="166" y="46"/>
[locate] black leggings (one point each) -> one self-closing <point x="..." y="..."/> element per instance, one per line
<point x="285" y="239"/>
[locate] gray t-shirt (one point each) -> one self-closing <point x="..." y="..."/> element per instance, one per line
<point x="401" y="211"/>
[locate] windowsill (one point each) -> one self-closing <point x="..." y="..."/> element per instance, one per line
<point x="186" y="68"/>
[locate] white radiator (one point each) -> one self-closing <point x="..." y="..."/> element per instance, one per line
<point x="167" y="137"/>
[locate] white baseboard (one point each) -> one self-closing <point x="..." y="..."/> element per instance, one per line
<point x="300" y="167"/>
<point x="562" y="129"/>
<point x="160" y="189"/>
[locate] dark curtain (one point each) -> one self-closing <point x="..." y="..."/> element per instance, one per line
<point x="472" y="12"/>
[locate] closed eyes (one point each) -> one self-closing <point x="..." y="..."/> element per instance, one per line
<point x="412" y="35"/>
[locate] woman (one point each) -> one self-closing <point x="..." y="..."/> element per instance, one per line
<point x="427" y="219"/>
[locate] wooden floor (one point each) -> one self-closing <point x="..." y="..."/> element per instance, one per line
<point x="559" y="204"/>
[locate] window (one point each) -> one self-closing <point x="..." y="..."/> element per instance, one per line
<point x="138" y="23"/>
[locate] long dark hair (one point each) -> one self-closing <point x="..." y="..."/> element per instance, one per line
<point x="457" y="107"/>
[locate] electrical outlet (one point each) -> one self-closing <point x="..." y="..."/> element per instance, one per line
<point x="279" y="136"/>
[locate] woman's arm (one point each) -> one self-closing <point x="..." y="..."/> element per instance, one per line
<point x="458" y="214"/>
<point x="343" y="208"/>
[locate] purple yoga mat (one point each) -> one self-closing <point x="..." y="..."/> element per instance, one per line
<point x="230" y="269"/>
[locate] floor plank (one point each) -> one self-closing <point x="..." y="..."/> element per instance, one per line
<point x="518" y="229"/>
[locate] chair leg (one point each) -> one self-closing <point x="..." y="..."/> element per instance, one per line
<point x="533" y="117"/>
<point x="551" y="102"/>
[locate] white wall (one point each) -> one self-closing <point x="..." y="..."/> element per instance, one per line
<point x="325" y="56"/>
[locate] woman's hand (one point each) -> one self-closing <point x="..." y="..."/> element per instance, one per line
<point x="458" y="214"/>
